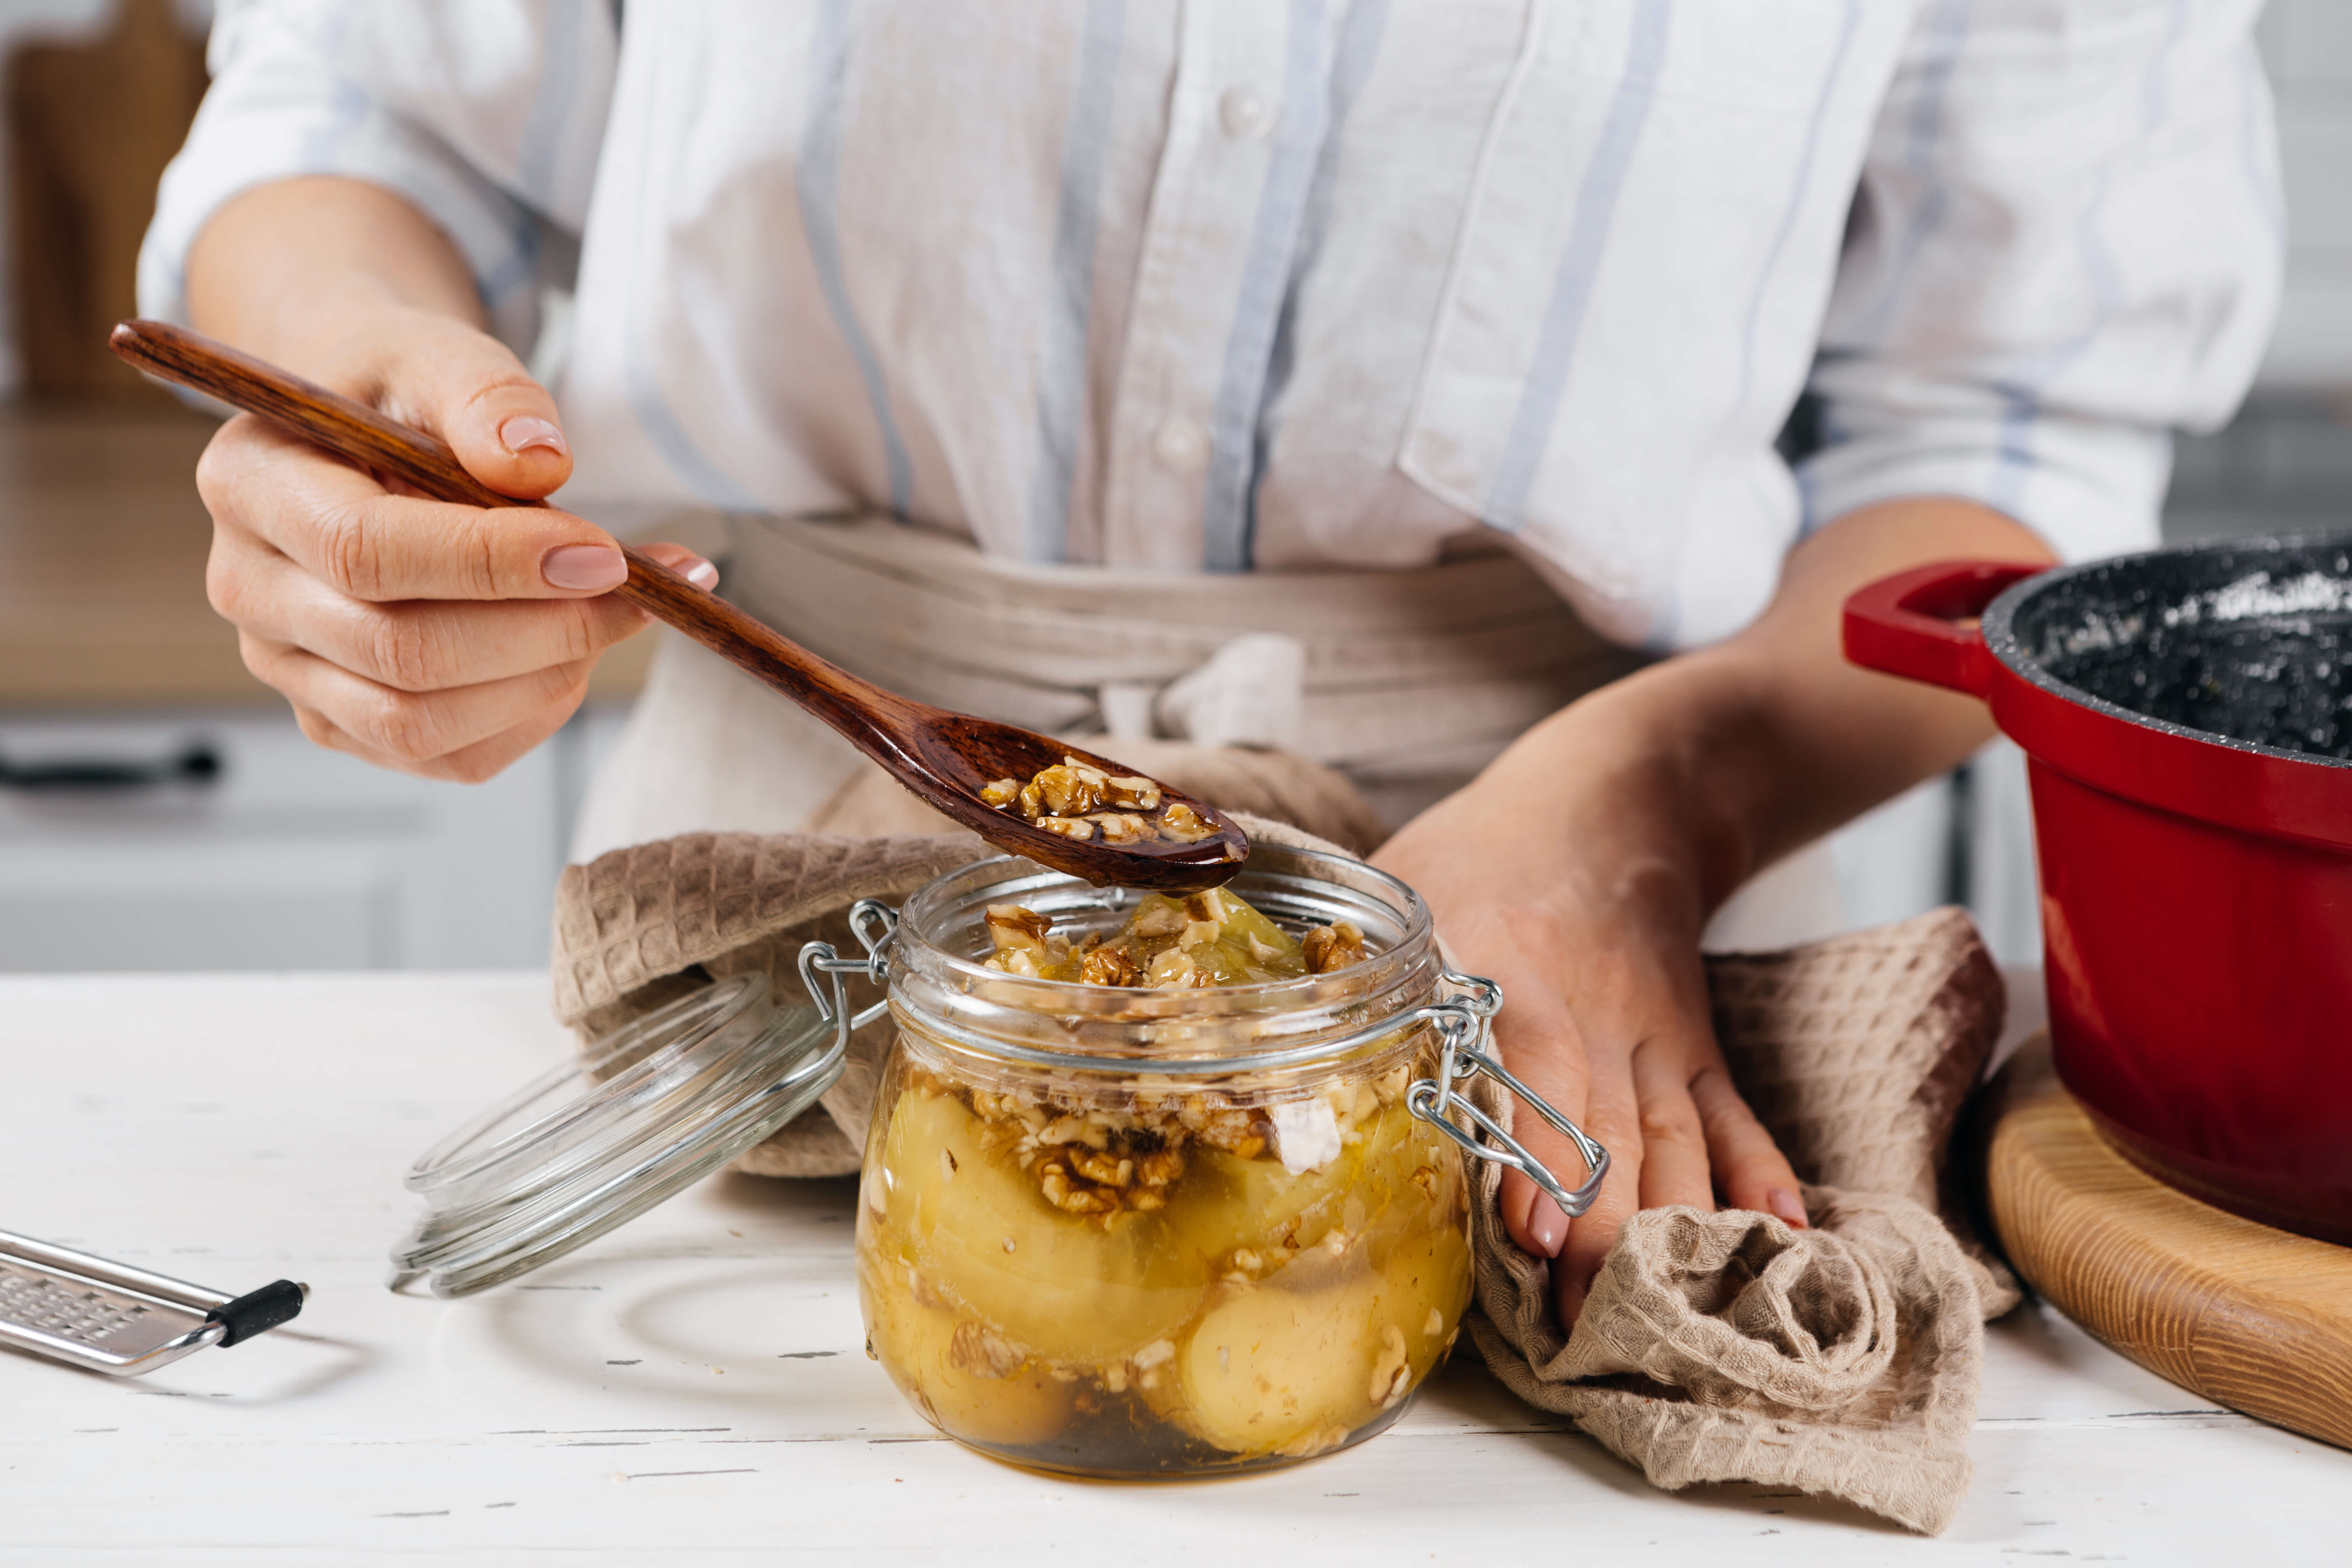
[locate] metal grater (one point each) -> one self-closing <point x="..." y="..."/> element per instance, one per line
<point x="111" y="1318"/>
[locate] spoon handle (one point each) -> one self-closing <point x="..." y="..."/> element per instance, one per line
<point x="352" y="431"/>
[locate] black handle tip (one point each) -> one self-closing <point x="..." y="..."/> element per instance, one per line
<point x="257" y="1311"/>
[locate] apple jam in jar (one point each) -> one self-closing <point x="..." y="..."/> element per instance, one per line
<point x="1146" y="1192"/>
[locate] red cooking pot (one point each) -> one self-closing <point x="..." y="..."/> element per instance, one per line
<point x="2187" y="719"/>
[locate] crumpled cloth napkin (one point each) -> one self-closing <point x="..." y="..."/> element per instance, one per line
<point x="1843" y="1360"/>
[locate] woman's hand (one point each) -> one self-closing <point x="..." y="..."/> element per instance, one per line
<point x="1580" y="869"/>
<point x="1568" y="874"/>
<point x="433" y="638"/>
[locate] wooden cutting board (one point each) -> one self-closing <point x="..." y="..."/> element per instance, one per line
<point x="2252" y="1317"/>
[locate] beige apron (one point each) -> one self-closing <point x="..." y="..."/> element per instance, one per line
<point x="1406" y="682"/>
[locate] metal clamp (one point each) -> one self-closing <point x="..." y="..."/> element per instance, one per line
<point x="874" y="923"/>
<point x="1464" y="1024"/>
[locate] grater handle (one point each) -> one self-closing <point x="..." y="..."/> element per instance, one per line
<point x="259" y="1311"/>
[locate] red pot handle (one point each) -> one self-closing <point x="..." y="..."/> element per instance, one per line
<point x="1910" y="624"/>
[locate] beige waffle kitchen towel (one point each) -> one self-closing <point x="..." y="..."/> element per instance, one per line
<point x="1843" y="1360"/>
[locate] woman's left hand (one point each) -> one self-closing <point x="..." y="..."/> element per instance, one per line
<point x="1579" y="870"/>
<point x="1567" y="875"/>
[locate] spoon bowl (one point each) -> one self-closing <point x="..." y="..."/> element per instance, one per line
<point x="944" y="757"/>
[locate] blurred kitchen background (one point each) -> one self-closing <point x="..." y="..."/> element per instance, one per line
<point x="159" y="809"/>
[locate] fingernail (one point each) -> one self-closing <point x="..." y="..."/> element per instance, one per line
<point x="1789" y="1207"/>
<point x="595" y="566"/>
<point x="1546" y="1227"/>
<point x="525" y="431"/>
<point x="702" y="574"/>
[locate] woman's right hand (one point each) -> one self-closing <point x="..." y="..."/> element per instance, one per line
<point x="433" y="638"/>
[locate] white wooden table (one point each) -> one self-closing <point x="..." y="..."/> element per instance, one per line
<point x="693" y="1388"/>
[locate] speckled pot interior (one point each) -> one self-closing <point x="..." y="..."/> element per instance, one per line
<point x="2244" y="641"/>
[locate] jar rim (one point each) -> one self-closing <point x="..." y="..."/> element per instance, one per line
<point x="957" y="993"/>
<point x="926" y="898"/>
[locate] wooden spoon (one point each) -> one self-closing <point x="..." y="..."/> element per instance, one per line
<point x="944" y="757"/>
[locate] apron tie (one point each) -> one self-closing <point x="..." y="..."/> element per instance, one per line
<point x="1249" y="692"/>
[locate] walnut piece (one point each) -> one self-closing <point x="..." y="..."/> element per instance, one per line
<point x="1162" y="918"/>
<point x="1072" y="1196"/>
<point x="1136" y="794"/>
<point x="1184" y="824"/>
<point x="1015" y="925"/>
<point x="1122" y="828"/>
<point x="1214" y="905"/>
<point x="983" y="1351"/>
<point x="1103" y="1169"/>
<point x="1335" y="946"/>
<point x="1108" y="966"/>
<point x="1160" y="1167"/>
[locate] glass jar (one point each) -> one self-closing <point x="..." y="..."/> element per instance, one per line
<point x="1102" y="1230"/>
<point x="1141" y="1233"/>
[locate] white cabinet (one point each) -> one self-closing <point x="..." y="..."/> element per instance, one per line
<point x="290" y="857"/>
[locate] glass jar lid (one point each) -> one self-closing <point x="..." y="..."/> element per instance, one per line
<point x="644" y="1112"/>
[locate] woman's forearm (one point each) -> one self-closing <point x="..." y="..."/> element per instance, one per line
<point x="1824" y="739"/>
<point x="1737" y="754"/>
<point x="287" y="270"/>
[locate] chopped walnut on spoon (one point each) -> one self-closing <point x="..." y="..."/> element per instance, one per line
<point x="1081" y="802"/>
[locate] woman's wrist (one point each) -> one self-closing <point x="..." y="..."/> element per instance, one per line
<point x="1704" y="768"/>
<point x="1604" y="805"/>
<point x="1677" y="750"/>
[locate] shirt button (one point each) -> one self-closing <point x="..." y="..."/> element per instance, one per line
<point x="1244" y="112"/>
<point x="1181" y="445"/>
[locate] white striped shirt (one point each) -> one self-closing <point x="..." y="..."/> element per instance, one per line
<point x="1266" y="284"/>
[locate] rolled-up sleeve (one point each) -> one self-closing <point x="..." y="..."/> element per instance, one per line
<point x="486" y="114"/>
<point x="2066" y="242"/>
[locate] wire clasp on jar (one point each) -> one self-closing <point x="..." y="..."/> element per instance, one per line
<point x="874" y="923"/>
<point x="1465" y="1025"/>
